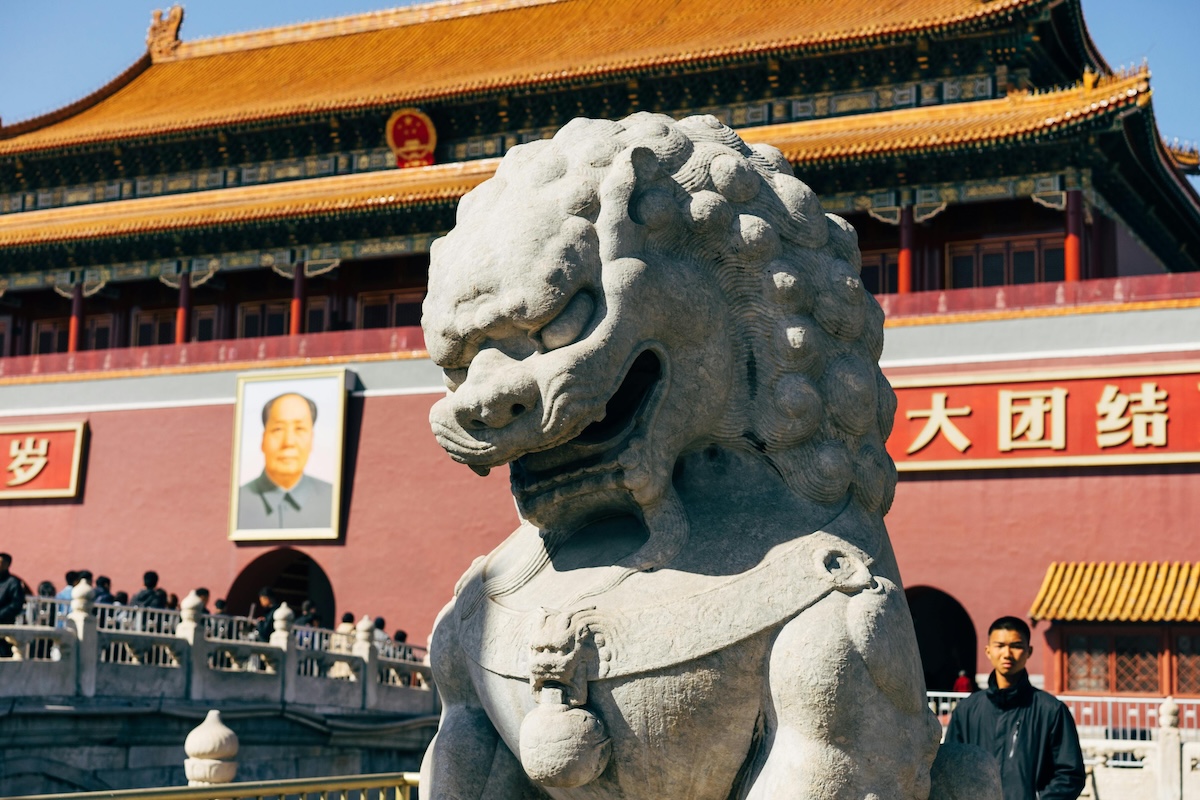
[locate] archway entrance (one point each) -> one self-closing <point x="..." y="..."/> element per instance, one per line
<point x="294" y="576"/>
<point x="945" y="636"/>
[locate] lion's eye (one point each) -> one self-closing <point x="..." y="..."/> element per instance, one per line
<point x="453" y="378"/>
<point x="570" y="324"/>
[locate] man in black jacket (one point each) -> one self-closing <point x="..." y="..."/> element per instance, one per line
<point x="1029" y="731"/>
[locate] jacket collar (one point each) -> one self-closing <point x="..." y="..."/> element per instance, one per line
<point x="1017" y="694"/>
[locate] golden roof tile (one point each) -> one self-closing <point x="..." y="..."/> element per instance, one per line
<point x="1155" y="591"/>
<point x="316" y="196"/>
<point x="447" y="49"/>
<point x="954" y="125"/>
<point x="861" y="136"/>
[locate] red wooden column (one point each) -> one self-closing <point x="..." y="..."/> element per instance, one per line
<point x="1073" y="245"/>
<point x="76" y="323"/>
<point x="294" y="326"/>
<point x="905" y="266"/>
<point x="183" y="314"/>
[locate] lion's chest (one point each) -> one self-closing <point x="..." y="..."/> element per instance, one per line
<point x="682" y="731"/>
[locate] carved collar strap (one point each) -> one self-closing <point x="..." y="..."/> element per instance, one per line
<point x="760" y="598"/>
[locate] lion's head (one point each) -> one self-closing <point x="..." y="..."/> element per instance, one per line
<point x="629" y="291"/>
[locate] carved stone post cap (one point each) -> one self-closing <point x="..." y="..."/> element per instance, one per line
<point x="283" y="617"/>
<point x="211" y="740"/>
<point x="364" y="631"/>
<point x="1168" y="713"/>
<point x="81" y="596"/>
<point x="189" y="609"/>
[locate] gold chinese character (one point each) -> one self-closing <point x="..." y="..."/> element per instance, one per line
<point x="1144" y="420"/>
<point x="28" y="460"/>
<point x="939" y="420"/>
<point x="1023" y="420"/>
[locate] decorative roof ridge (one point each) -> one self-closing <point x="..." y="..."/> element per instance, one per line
<point x="340" y="26"/>
<point x="85" y="102"/>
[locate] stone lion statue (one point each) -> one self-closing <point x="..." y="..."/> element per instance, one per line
<point x="662" y="334"/>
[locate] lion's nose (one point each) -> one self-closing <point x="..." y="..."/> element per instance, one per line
<point x="494" y="398"/>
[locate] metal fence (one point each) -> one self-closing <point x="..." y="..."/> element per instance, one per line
<point x="384" y="786"/>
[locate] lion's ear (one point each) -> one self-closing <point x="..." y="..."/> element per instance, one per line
<point x="620" y="235"/>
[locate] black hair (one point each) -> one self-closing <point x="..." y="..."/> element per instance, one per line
<point x="121" y="597"/>
<point x="46" y="589"/>
<point x="400" y="636"/>
<point x="6" y="557"/>
<point x="72" y="576"/>
<point x="267" y="592"/>
<point x="380" y="623"/>
<point x="1014" y="624"/>
<point x="312" y="407"/>
<point x="220" y="604"/>
<point x="150" y="579"/>
<point x="104" y="581"/>
<point x="348" y="617"/>
<point x="202" y="591"/>
<point x="85" y="575"/>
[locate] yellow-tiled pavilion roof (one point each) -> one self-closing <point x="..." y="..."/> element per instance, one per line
<point x="1154" y="591"/>
<point x="446" y="49"/>
<point x="914" y="130"/>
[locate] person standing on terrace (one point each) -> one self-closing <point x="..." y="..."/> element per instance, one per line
<point x="1031" y="733"/>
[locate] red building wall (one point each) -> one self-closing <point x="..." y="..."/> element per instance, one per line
<point x="986" y="538"/>
<point x="156" y="496"/>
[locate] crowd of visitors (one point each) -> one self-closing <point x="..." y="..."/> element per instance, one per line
<point x="258" y="623"/>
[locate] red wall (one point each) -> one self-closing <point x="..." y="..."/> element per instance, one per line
<point x="986" y="538"/>
<point x="156" y="496"/>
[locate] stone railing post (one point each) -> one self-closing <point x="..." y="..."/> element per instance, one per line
<point x="364" y="648"/>
<point x="87" y="653"/>
<point x="281" y="637"/>
<point x="1170" y="752"/>
<point x="212" y="750"/>
<point x="191" y="630"/>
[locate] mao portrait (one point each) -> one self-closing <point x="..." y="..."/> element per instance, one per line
<point x="288" y="455"/>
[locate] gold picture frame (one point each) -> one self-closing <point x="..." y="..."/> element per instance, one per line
<point x="289" y="487"/>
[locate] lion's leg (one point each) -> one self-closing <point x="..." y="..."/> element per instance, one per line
<point x="844" y="713"/>
<point x="466" y="759"/>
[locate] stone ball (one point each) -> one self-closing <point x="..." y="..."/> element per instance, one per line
<point x="826" y="472"/>
<point x="801" y="345"/>
<point x="799" y="401"/>
<point x="757" y="241"/>
<point x="850" y="389"/>
<point x="804" y="208"/>
<point x="710" y="212"/>
<point x="655" y="209"/>
<point x="735" y="178"/>
<point x="839" y="307"/>
<point x="788" y="287"/>
<point x="563" y="747"/>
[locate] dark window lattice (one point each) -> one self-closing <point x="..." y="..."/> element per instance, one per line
<point x="1087" y="664"/>
<point x="1136" y="665"/>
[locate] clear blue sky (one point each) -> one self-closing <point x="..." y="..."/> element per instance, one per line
<point x="56" y="51"/>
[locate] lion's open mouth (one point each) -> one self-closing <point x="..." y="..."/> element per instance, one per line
<point x="595" y="448"/>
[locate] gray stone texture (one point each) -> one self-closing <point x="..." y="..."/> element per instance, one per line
<point x="662" y="334"/>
